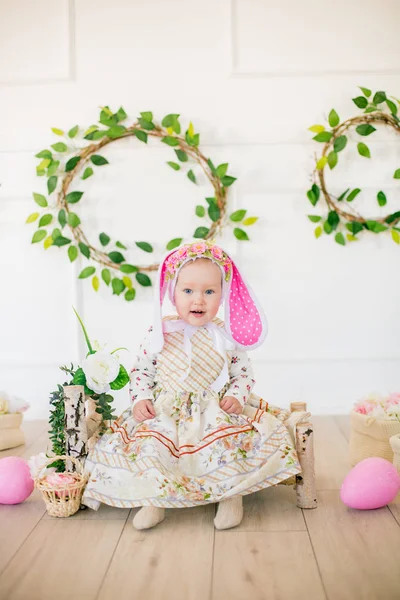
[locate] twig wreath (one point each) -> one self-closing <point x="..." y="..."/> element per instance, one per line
<point x="66" y="161"/>
<point x="378" y="110"/>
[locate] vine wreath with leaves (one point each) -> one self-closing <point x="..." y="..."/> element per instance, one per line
<point x="378" y="109"/>
<point x="66" y="161"/>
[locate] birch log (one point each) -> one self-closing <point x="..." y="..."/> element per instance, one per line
<point x="75" y="428"/>
<point x="395" y="444"/>
<point x="305" y="482"/>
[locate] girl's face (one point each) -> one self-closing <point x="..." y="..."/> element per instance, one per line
<point x="198" y="291"/>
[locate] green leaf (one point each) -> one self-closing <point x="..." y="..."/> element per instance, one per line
<point x="60" y="241"/>
<point x="71" y="164"/>
<point x="393" y="217"/>
<point x="143" y="279"/>
<point x="379" y="98"/>
<point x="327" y="227"/>
<point x="214" y="212"/>
<point x="201" y="232"/>
<point x="339" y="238"/>
<point x="240" y="234"/>
<point x="318" y="232"/>
<point x="191" y="176"/>
<point x="333" y="219"/>
<point x="96" y="283"/>
<point x="73" y="197"/>
<point x="366" y="91"/>
<point x="238" y="215"/>
<point x="97" y="135"/>
<point x="353" y="194"/>
<point x="32" y="217"/>
<point x="340" y="143"/>
<point x="87" y="272"/>
<point x="212" y="167"/>
<point x="147" y="115"/>
<point x="222" y="169"/>
<point x="174" y="165"/>
<point x="104" y="239"/>
<point x="45" y="220"/>
<point x="375" y="227"/>
<point x="126" y="268"/>
<point x="38" y="236"/>
<point x="354" y="227"/>
<point x="392" y="107"/>
<point x="87" y="173"/>
<point x="381" y="199"/>
<point x="200" y="211"/>
<point x="52" y="184"/>
<point x="361" y="102"/>
<point x="115" y="132"/>
<point x="72" y="132"/>
<point x="323" y="137"/>
<point x="314" y="218"/>
<point x="395" y="236"/>
<point x="182" y="156"/>
<point x="79" y="377"/>
<point x="332" y="159"/>
<point x="116" y="257"/>
<point x="60" y="147"/>
<point x="127" y="281"/>
<point x="53" y="167"/>
<point x="170" y="141"/>
<point x="365" y="129"/>
<point x="313" y="194"/>
<point x="396" y="174"/>
<point x="144" y="246"/>
<point x="227" y="180"/>
<point x="321" y="163"/>
<point x="62" y="218"/>
<point x="317" y="128"/>
<point x="73" y="220"/>
<point x="121" y="245"/>
<point x="169" y="120"/>
<point x="121" y="380"/>
<point x="44" y="154"/>
<point x="84" y="249"/>
<point x="351" y="238"/>
<point x="333" y="118"/>
<point x="174" y="243"/>
<point x="363" y="150"/>
<point x="98" y="160"/>
<point x="250" y="221"/>
<point x="121" y="114"/>
<point x="72" y="253"/>
<point x="40" y="200"/>
<point x="141" y="135"/>
<point x="146" y="124"/>
<point x="57" y="131"/>
<point x="342" y="196"/>
<point x="106" y="276"/>
<point x="371" y="108"/>
<point x="130" y="295"/>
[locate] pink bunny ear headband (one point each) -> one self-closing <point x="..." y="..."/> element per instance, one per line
<point x="245" y="322"/>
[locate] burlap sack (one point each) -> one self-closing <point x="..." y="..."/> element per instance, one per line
<point x="10" y="433"/>
<point x="395" y="444"/>
<point x="370" y="436"/>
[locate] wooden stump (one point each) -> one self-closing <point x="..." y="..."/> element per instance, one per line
<point x="305" y="482"/>
<point x="76" y="435"/>
<point x="395" y="444"/>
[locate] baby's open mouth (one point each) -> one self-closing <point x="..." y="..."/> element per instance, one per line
<point x="197" y="312"/>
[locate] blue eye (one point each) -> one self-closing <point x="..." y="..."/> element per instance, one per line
<point x="187" y="291"/>
<point x="209" y="292"/>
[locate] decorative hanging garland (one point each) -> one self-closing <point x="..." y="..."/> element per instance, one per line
<point x="341" y="217"/>
<point x="66" y="161"/>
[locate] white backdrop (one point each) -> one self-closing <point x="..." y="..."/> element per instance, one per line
<point x="252" y="76"/>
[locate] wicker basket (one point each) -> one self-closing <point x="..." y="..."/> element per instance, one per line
<point x="370" y="437"/>
<point x="62" y="500"/>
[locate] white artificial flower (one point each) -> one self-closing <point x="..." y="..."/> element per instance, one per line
<point x="100" y="369"/>
<point x="3" y="403"/>
<point x="12" y="404"/>
<point x="36" y="465"/>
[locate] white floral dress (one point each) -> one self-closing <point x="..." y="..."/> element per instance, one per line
<point x="192" y="452"/>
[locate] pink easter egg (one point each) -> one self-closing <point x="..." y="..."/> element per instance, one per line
<point x="372" y="483"/>
<point x="16" y="483"/>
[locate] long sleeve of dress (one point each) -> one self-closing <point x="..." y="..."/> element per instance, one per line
<point x="143" y="372"/>
<point x="241" y="377"/>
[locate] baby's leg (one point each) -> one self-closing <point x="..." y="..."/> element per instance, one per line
<point x="229" y="513"/>
<point x="148" y="517"/>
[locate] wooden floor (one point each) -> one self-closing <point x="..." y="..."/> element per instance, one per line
<point x="278" y="552"/>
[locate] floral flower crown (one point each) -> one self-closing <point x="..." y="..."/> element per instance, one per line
<point x="198" y="250"/>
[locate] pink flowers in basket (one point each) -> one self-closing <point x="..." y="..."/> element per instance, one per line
<point x="383" y="407"/>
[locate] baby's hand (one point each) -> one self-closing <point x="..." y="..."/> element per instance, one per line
<point x="143" y="410"/>
<point x="231" y="405"/>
